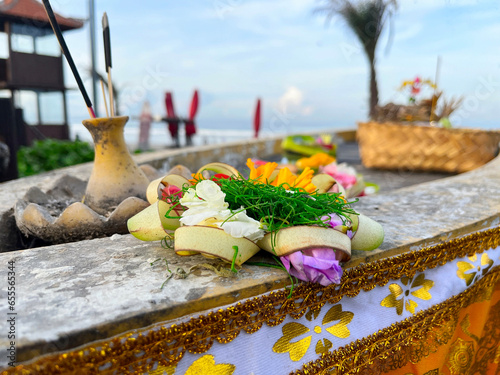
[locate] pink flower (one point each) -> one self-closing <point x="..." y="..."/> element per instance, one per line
<point x="169" y="191"/>
<point x="314" y="265"/>
<point x="345" y="180"/>
<point x="344" y="175"/>
<point x="320" y="141"/>
<point x="330" y="169"/>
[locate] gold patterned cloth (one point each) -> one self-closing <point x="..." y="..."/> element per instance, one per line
<point x="431" y="311"/>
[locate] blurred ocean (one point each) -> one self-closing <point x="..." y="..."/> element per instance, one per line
<point x="159" y="136"/>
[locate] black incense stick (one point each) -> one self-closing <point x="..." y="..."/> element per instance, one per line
<point x="64" y="48"/>
<point x="107" y="57"/>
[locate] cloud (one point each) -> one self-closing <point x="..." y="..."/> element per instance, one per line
<point x="292" y="102"/>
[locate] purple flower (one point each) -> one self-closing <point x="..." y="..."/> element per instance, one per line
<point x="315" y="265"/>
<point x="335" y="222"/>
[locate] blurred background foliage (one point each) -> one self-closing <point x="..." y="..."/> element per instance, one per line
<point x="48" y="154"/>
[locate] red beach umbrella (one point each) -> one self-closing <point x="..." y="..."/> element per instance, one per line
<point x="169" y="104"/>
<point x="173" y="123"/>
<point x="256" y="119"/>
<point x="190" y="126"/>
<point x="194" y="105"/>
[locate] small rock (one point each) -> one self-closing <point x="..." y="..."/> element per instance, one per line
<point x="35" y="195"/>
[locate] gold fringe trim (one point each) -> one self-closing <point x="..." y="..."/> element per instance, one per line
<point x="138" y="351"/>
<point x="411" y="339"/>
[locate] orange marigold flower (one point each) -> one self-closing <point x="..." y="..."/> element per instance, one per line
<point x="285" y="177"/>
<point x="288" y="180"/>
<point x="304" y="180"/>
<point x="262" y="173"/>
<point x="196" y="178"/>
<point x="315" y="161"/>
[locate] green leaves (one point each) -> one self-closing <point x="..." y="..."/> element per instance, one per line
<point x="277" y="207"/>
<point x="46" y="155"/>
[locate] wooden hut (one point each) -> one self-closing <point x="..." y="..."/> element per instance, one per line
<point x="31" y="78"/>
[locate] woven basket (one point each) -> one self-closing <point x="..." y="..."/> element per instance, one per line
<point x="425" y="148"/>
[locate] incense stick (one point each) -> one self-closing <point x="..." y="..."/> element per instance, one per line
<point x="104" y="97"/>
<point x="107" y="56"/>
<point x="434" y="99"/>
<point x="67" y="54"/>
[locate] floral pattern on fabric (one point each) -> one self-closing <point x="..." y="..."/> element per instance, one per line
<point x="292" y="331"/>
<point x="400" y="297"/>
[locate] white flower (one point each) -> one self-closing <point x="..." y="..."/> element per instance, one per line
<point x="344" y="168"/>
<point x="206" y="203"/>
<point x="241" y="225"/>
<point x="189" y="197"/>
<point x="207" y="193"/>
<point x="210" y="192"/>
<point x="195" y="215"/>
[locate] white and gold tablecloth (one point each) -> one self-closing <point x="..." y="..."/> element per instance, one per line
<point x="434" y="310"/>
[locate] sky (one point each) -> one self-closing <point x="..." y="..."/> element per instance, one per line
<point x="309" y="73"/>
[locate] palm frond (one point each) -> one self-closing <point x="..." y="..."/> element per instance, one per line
<point x="365" y="18"/>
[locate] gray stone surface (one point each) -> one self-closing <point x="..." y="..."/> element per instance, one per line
<point x="348" y="152"/>
<point x="428" y="213"/>
<point x="75" y="293"/>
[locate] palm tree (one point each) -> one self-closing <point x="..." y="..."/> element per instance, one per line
<point x="366" y="19"/>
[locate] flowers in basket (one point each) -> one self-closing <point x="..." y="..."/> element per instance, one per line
<point x="415" y="86"/>
<point x="302" y="220"/>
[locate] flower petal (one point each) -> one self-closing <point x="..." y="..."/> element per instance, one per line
<point x="193" y="218"/>
<point x="210" y="192"/>
<point x="315" y="265"/>
<point x="239" y="229"/>
<point x="188" y="197"/>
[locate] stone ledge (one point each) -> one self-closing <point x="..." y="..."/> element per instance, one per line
<point x="77" y="293"/>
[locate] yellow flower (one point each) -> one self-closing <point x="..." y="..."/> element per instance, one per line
<point x="430" y="83"/>
<point x="422" y="83"/>
<point x="262" y="173"/>
<point x="315" y="161"/>
<point x="406" y="83"/>
<point x="196" y="178"/>
<point x="284" y="178"/>
<point x="303" y="181"/>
